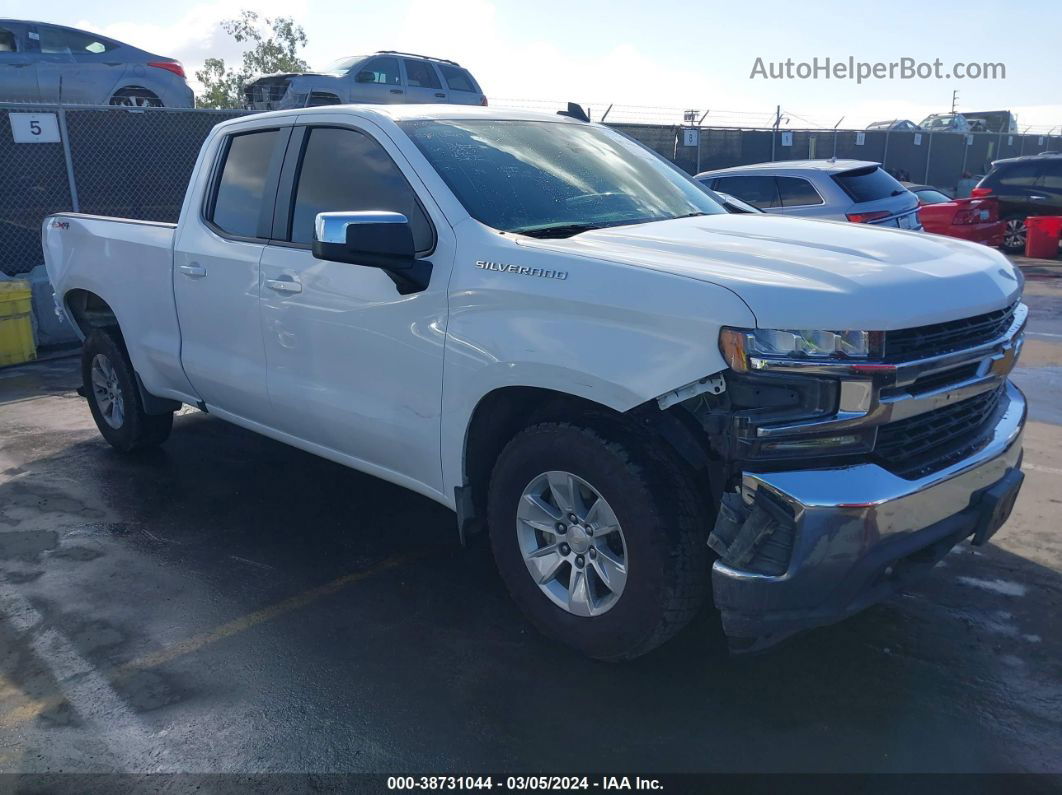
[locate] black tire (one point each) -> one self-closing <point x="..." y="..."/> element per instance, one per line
<point x="663" y="529"/>
<point x="136" y="430"/>
<point x="135" y="97"/>
<point x="1015" y="235"/>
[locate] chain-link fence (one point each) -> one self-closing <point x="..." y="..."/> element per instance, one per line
<point x="107" y="161"/>
<point x="942" y="159"/>
<point x="136" y="163"/>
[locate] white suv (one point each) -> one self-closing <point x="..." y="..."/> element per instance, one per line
<point x="839" y="190"/>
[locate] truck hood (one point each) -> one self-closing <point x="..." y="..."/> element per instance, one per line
<point x="276" y="75"/>
<point x="797" y="273"/>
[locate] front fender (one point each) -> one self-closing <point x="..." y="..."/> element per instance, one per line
<point x="613" y="334"/>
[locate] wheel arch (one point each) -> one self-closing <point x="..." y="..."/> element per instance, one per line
<point x="504" y="412"/>
<point x="88" y="310"/>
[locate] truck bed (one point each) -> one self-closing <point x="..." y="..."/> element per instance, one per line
<point x="128" y="264"/>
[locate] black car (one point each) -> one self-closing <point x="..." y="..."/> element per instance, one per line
<point x="1025" y="186"/>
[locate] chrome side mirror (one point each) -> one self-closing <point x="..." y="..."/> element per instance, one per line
<point x="374" y="239"/>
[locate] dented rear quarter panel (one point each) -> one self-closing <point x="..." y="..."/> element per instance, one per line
<point x="128" y="264"/>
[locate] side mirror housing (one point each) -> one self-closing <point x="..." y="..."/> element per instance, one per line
<point x="364" y="77"/>
<point x="374" y="239"/>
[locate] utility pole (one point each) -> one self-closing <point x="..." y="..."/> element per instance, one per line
<point x="954" y="99"/>
<point x="838" y="124"/>
<point x="774" y="127"/>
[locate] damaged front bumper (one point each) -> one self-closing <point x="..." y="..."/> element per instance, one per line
<point x="855" y="533"/>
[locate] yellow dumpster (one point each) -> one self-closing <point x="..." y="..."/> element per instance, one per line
<point x="16" y="328"/>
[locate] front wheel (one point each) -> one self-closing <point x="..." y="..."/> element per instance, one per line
<point x="113" y="397"/>
<point x="597" y="539"/>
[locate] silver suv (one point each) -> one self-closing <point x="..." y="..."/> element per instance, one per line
<point x="386" y="77"/>
<point x="841" y="190"/>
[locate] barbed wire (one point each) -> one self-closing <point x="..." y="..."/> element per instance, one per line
<point x="659" y="114"/>
<point x="620" y="113"/>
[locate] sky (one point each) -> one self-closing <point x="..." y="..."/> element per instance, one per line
<point x="649" y="59"/>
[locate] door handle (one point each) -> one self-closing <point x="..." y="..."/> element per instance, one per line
<point x="396" y="91"/>
<point x="288" y="285"/>
<point x="440" y="94"/>
<point x="193" y="270"/>
<point x="1038" y="198"/>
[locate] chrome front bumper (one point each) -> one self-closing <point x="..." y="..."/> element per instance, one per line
<point x="859" y="532"/>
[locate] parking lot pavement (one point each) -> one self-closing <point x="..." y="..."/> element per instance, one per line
<point x="229" y="604"/>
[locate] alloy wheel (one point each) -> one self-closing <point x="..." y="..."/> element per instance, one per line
<point x="107" y="391"/>
<point x="572" y="543"/>
<point x="1014" y="235"/>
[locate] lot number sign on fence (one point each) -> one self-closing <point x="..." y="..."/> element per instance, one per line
<point x="34" y="128"/>
<point x="691" y="137"/>
<point x="787" y="139"/>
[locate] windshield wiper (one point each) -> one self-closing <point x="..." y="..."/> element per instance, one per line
<point x="570" y="230"/>
<point x="557" y="231"/>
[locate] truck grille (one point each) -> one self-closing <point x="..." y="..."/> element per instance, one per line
<point x="266" y="90"/>
<point x="938" y="338"/>
<point x="917" y="446"/>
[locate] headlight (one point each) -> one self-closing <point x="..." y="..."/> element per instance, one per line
<point x="738" y="345"/>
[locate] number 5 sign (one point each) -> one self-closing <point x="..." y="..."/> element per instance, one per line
<point x="34" y="128"/>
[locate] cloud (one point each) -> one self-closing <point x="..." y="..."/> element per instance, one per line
<point x="521" y="66"/>
<point x="518" y="64"/>
<point x="197" y="34"/>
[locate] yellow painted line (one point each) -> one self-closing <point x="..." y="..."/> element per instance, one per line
<point x="29" y="711"/>
<point x="297" y="602"/>
<point x="25" y="708"/>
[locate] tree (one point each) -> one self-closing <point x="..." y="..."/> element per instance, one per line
<point x="274" y="47"/>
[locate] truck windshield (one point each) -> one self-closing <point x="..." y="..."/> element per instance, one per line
<point x="554" y="179"/>
<point x="343" y="65"/>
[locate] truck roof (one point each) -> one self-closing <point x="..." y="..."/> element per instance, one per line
<point x="398" y="113"/>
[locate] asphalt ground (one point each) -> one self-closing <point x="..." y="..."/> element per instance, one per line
<point x="227" y="604"/>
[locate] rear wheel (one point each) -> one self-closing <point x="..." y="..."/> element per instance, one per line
<point x="597" y="538"/>
<point x="136" y="98"/>
<point x="113" y="396"/>
<point x="1014" y="235"/>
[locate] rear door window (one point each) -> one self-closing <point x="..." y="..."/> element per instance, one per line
<point x="421" y="75"/>
<point x="1019" y="175"/>
<point x="346" y="170"/>
<point x="797" y="192"/>
<point x="1052" y="175"/>
<point x="8" y="40"/>
<point x="238" y="199"/>
<point x="61" y="40"/>
<point x="868" y="184"/>
<point x="758" y="191"/>
<point x="457" y="79"/>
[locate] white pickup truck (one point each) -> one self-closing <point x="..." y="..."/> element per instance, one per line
<point x="548" y="328"/>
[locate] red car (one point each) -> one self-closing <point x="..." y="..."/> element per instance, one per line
<point x="975" y="219"/>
